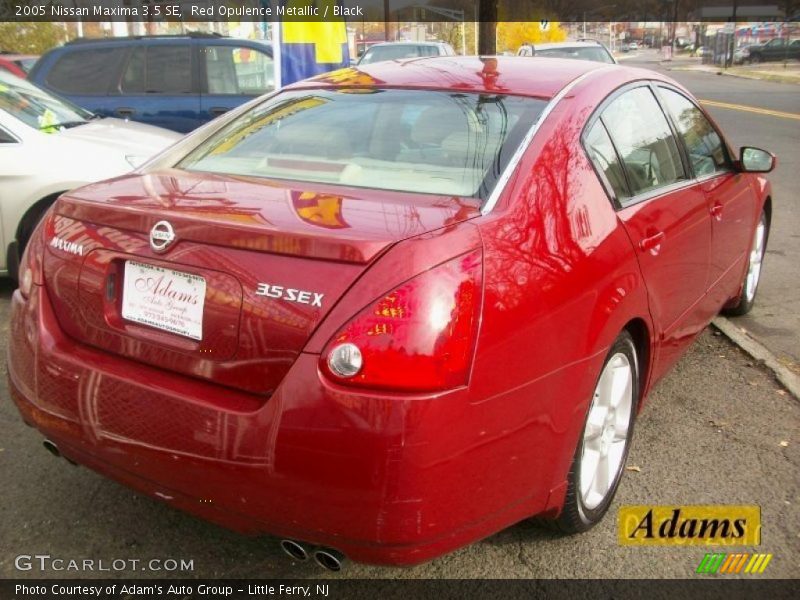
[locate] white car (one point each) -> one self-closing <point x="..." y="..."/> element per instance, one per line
<point x="49" y="146"/>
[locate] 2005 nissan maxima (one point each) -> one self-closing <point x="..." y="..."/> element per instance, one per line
<point x="391" y="310"/>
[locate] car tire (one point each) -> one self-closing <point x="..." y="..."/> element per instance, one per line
<point x="744" y="303"/>
<point x="605" y="440"/>
<point x="755" y="59"/>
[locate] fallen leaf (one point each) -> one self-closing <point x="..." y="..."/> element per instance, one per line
<point x="784" y="444"/>
<point x="780" y="392"/>
<point x="753" y="383"/>
<point x="634" y="468"/>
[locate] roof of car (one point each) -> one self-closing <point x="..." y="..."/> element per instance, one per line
<point x="519" y="75"/>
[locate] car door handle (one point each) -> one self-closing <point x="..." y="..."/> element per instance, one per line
<point x="716" y="210"/>
<point x="125" y="112"/>
<point x="218" y="110"/>
<point x="651" y="242"/>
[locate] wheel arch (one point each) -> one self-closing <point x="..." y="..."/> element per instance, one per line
<point x="642" y="340"/>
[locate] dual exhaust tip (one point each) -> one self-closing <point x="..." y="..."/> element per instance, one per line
<point x="327" y="558"/>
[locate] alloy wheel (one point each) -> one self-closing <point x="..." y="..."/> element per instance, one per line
<point x="605" y="437"/>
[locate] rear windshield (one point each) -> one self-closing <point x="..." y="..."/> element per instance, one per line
<point x="586" y="53"/>
<point x="454" y="144"/>
<point x="398" y="52"/>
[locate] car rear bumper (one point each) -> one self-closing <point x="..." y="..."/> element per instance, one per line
<point x="372" y="476"/>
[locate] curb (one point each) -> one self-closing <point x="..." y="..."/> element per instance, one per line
<point x="759" y="352"/>
<point x="752" y="75"/>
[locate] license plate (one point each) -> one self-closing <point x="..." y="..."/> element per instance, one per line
<point x="165" y="299"/>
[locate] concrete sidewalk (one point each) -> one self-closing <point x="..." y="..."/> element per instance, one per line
<point x="776" y="71"/>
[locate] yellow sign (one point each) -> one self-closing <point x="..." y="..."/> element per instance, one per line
<point x="692" y="525"/>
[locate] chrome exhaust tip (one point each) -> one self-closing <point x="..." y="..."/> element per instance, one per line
<point x="329" y="559"/>
<point x="51" y="448"/>
<point x="295" y="550"/>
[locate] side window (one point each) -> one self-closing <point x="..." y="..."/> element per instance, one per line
<point x="644" y="141"/>
<point x="706" y="150"/>
<point x="601" y="152"/>
<point x="161" y="69"/>
<point x="87" y="71"/>
<point x="234" y="70"/>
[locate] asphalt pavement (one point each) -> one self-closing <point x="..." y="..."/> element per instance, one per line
<point x="718" y="429"/>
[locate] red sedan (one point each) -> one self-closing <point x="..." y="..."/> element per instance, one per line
<point x="391" y="310"/>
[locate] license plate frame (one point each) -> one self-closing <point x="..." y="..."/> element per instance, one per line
<point x="164" y="299"/>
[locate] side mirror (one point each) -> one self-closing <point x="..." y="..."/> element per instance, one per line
<point x="756" y="160"/>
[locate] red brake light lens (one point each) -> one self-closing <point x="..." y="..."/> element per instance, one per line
<point x="418" y="337"/>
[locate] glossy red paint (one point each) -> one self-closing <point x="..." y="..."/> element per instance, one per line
<point x="248" y="429"/>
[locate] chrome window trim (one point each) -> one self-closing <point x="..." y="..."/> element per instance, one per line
<point x="500" y="186"/>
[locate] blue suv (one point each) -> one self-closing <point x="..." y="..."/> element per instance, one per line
<point x="177" y="82"/>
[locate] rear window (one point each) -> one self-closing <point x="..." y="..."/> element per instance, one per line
<point x="381" y="53"/>
<point x="87" y="71"/>
<point x="597" y="54"/>
<point x="408" y="140"/>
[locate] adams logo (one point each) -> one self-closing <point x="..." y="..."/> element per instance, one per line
<point x="731" y="525"/>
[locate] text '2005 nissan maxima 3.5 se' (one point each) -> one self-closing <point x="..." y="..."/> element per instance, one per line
<point x="392" y="310"/>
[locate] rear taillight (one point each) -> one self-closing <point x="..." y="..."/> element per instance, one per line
<point x="418" y="337"/>
<point x="30" y="265"/>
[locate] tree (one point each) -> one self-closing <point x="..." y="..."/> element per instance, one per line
<point x="512" y="35"/>
<point x="29" y="38"/>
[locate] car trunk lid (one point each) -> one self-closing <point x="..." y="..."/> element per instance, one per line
<point x="264" y="260"/>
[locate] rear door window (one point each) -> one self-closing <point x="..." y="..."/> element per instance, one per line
<point x="643" y="139"/>
<point x="602" y="153"/>
<point x="89" y="71"/>
<point x="159" y="69"/>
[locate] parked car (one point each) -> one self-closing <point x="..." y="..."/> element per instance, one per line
<point x="177" y="82"/>
<point x="702" y="52"/>
<point x="584" y="50"/>
<point x="393" y="322"/>
<point x="48" y="146"/>
<point x="17" y="64"/>
<point x="633" y="46"/>
<point x="774" y="49"/>
<point x="400" y="50"/>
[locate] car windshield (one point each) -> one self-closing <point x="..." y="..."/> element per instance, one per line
<point x="397" y="52"/>
<point x="433" y="142"/>
<point x="597" y="54"/>
<point x="37" y="108"/>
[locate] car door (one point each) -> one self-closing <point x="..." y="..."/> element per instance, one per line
<point x="159" y="86"/>
<point x="231" y="75"/>
<point x="775" y="49"/>
<point x="663" y="211"/>
<point x="730" y="198"/>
